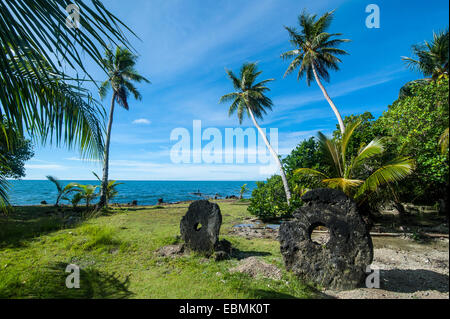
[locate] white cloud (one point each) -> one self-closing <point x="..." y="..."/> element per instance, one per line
<point x="142" y="121"/>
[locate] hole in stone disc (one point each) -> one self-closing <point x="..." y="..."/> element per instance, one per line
<point x="197" y="227"/>
<point x="319" y="234"/>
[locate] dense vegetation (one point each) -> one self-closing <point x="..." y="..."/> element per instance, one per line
<point x="411" y="127"/>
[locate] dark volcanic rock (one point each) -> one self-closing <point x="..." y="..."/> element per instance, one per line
<point x="201" y="225"/>
<point x="341" y="262"/>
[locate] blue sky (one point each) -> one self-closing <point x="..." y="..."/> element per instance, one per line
<point x="187" y="44"/>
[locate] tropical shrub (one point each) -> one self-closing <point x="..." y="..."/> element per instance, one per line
<point x="242" y="191"/>
<point x="269" y="200"/>
<point x="351" y="174"/>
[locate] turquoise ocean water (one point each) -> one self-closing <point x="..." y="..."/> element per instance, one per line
<point x="27" y="192"/>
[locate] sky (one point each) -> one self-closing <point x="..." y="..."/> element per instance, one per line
<point x="184" y="47"/>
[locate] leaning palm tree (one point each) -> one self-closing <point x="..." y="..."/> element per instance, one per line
<point x="346" y="169"/>
<point x="121" y="73"/>
<point x="315" y="53"/>
<point x="250" y="98"/>
<point x="431" y="58"/>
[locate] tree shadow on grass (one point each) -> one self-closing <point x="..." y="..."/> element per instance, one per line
<point x="240" y="254"/>
<point x="50" y="283"/>
<point x="20" y="226"/>
<point x="26" y="223"/>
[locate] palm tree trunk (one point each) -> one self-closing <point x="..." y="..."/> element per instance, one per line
<point x="104" y="187"/>
<point x="327" y="97"/>
<point x="275" y="155"/>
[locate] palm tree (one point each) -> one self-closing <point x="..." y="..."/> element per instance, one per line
<point x="62" y="190"/>
<point x="345" y="168"/>
<point x="87" y="192"/>
<point x="112" y="190"/>
<point x="315" y="52"/>
<point x="431" y="58"/>
<point x="36" y="96"/>
<point x="121" y="73"/>
<point x="242" y="191"/>
<point x="250" y="98"/>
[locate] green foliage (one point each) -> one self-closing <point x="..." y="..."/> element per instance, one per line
<point x="87" y="192"/>
<point x="16" y="150"/>
<point x="414" y="125"/>
<point x="269" y="200"/>
<point x="307" y="154"/>
<point x="243" y="190"/>
<point x="351" y="173"/>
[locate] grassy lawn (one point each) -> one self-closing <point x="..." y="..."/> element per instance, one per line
<point x="117" y="257"/>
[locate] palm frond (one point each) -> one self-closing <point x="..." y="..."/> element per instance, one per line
<point x="310" y="172"/>
<point x="345" y="139"/>
<point x="375" y="147"/>
<point x="393" y="171"/>
<point x="55" y="181"/>
<point x="344" y="184"/>
<point x="331" y="152"/>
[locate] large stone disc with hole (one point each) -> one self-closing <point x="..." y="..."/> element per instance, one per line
<point x="339" y="263"/>
<point x="200" y="226"/>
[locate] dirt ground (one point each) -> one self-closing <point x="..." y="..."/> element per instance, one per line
<point x="408" y="270"/>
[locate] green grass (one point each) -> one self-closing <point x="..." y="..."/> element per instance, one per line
<point x="117" y="256"/>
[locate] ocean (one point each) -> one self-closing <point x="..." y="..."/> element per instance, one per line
<point x="32" y="192"/>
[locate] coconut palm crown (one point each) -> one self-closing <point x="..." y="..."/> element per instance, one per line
<point x="431" y="58"/>
<point x="249" y="95"/>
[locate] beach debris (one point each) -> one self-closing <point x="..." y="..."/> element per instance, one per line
<point x="134" y="203"/>
<point x="200" y="226"/>
<point x="43" y="202"/>
<point x="341" y="262"/>
<point x="255" y="267"/>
